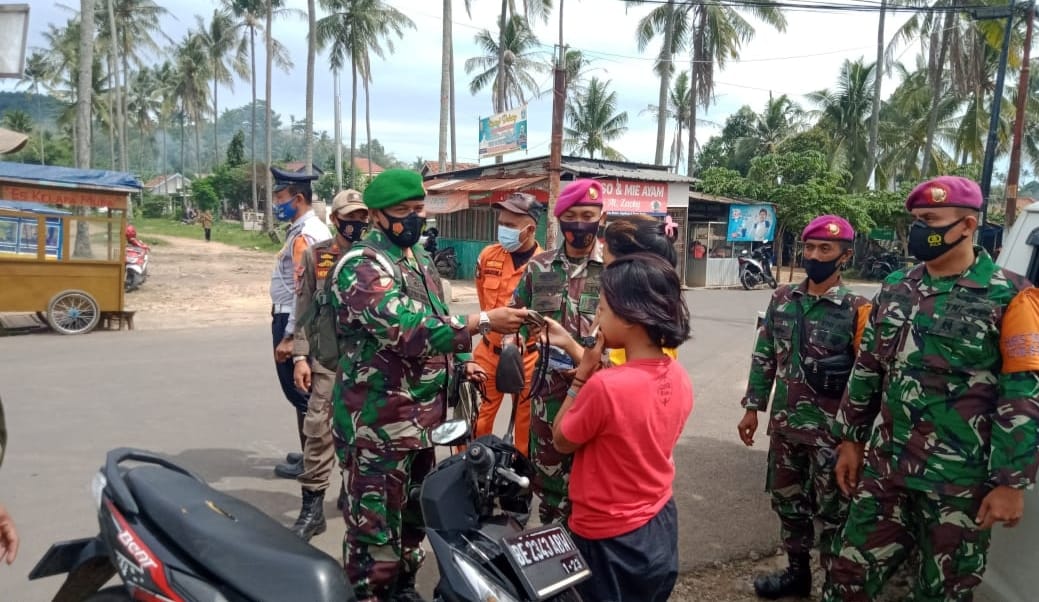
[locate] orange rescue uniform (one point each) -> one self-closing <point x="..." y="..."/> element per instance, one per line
<point x="496" y="280"/>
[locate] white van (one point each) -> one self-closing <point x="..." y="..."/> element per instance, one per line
<point x="1011" y="575"/>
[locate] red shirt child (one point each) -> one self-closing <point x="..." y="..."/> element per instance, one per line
<point x="627" y="421"/>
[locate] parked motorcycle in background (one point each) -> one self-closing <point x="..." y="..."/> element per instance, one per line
<point x="756" y="268"/>
<point x="136" y="267"/>
<point x="171" y="537"/>
<point x="445" y="260"/>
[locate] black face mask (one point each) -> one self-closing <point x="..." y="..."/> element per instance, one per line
<point x="351" y="230"/>
<point x="928" y="242"/>
<point x="405" y="231"/>
<point x="818" y="271"/>
<point x="580" y="235"/>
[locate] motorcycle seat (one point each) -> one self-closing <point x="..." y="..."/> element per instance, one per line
<point x="234" y="541"/>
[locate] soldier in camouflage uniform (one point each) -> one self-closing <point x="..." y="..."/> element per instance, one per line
<point x="805" y="346"/>
<point x="350" y="218"/>
<point x="399" y="343"/>
<point x="562" y="284"/>
<point x="950" y="362"/>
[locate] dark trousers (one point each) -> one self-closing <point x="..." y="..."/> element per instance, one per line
<point x="641" y="566"/>
<point x="297" y="398"/>
<point x="208" y="230"/>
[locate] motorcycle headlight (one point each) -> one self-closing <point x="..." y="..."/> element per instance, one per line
<point x="486" y="590"/>
<point x="97" y="487"/>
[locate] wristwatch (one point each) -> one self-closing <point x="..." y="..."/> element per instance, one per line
<point x="298" y="358"/>
<point x="485" y="323"/>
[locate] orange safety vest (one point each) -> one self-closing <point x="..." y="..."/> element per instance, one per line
<point x="496" y="281"/>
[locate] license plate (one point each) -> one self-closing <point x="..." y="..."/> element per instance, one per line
<point x="546" y="560"/>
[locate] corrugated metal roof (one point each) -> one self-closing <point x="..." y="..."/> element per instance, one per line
<point x="484" y="184"/>
<point x="68" y="177"/>
<point x="724" y="200"/>
<point x="590" y="167"/>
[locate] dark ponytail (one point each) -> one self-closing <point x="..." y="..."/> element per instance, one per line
<point x="642" y="288"/>
<point x="640" y="234"/>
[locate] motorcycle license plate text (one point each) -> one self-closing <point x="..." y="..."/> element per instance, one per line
<point x="546" y="560"/>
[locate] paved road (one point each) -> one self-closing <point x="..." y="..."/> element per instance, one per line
<point x="209" y="399"/>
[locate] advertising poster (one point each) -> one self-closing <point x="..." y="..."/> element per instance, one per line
<point x="751" y="223"/>
<point x="629" y="196"/>
<point x="503" y="133"/>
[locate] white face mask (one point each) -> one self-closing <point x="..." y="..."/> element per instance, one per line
<point x="509" y="238"/>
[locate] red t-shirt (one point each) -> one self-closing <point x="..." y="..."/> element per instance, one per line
<point x="627" y="420"/>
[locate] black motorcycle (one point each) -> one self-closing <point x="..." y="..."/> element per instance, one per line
<point x="756" y="268"/>
<point x="470" y="504"/>
<point x="172" y="538"/>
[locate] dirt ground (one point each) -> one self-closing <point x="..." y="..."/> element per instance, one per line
<point x="194" y="284"/>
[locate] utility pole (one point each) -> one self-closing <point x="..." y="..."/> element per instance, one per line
<point x="997" y="100"/>
<point x="555" y="161"/>
<point x="1014" y="173"/>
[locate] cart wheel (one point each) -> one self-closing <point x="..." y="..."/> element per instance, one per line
<point x="73" y="312"/>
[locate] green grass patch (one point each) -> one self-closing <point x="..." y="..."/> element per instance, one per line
<point x="230" y="233"/>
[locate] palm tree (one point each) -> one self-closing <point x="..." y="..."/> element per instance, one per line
<point x="594" y="122"/>
<point x="780" y="120"/>
<point x="144" y="105"/>
<point x="308" y="128"/>
<point x="140" y="22"/>
<point x="191" y="88"/>
<point x="218" y="36"/>
<point x="447" y="84"/>
<point x="845" y="112"/>
<point x="85" y="71"/>
<point x="661" y="21"/>
<point x="18" y="120"/>
<point x="522" y="60"/>
<point x="36" y="73"/>
<point x="165" y="85"/>
<point x="716" y="35"/>
<point x="251" y="15"/>
<point x="354" y="29"/>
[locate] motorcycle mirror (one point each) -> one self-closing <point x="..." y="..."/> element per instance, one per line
<point x="451" y="432"/>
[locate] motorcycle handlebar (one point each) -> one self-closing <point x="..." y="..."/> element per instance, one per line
<point x="510" y="475"/>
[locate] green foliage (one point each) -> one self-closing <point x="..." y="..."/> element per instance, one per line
<point x="236" y="150"/>
<point x="203" y="195"/>
<point x="153" y="205"/>
<point x="17" y="120"/>
<point x="325" y="187"/>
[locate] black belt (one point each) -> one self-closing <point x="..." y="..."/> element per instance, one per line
<point x="497" y="350"/>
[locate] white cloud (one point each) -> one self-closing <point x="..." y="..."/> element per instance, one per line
<point x="406" y="87"/>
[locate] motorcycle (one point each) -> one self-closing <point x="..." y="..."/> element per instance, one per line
<point x="172" y="538"/>
<point x="470" y="503"/>
<point x="755" y="268"/>
<point x="445" y="260"/>
<point x="879" y="266"/>
<point x="136" y="267"/>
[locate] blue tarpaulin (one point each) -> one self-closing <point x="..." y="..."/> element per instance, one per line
<point x="69" y="177"/>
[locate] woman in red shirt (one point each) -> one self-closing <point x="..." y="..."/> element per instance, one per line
<point x="622" y="425"/>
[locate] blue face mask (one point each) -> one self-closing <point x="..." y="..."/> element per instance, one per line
<point x="285" y="212"/>
<point x="509" y="238"/>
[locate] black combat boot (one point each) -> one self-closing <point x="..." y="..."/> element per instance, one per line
<point x="795" y="580"/>
<point x="289" y="470"/>
<point x="311" y="519"/>
<point x="293" y="457"/>
<point x="405" y="590"/>
<point x="342" y="500"/>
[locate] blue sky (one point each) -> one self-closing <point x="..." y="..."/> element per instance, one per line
<point x="406" y="86"/>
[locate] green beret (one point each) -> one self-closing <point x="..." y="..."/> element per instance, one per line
<point x="392" y="187"/>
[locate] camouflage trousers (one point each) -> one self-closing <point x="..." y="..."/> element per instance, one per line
<point x="886" y="522"/>
<point x="551" y="468"/>
<point x="803" y="487"/>
<point x="384" y="528"/>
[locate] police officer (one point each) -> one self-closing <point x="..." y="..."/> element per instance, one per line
<point x="806" y="347"/>
<point x="399" y="344"/>
<point x="350" y="218"/>
<point x="949" y="362"/>
<point x="292" y="199"/>
<point x="562" y="284"/>
<point x="498" y="271"/>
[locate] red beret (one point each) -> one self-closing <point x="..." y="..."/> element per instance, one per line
<point x="945" y="191"/>
<point x="828" y="227"/>
<point x="579" y="192"/>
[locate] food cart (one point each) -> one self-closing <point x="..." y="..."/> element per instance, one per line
<point x="62" y="243"/>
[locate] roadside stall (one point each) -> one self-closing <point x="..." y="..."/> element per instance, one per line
<point x="62" y="243"/>
<point x="461" y="200"/>
<point x="720" y="229"/>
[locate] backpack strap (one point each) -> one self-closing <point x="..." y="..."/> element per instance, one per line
<point x="357" y="250"/>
